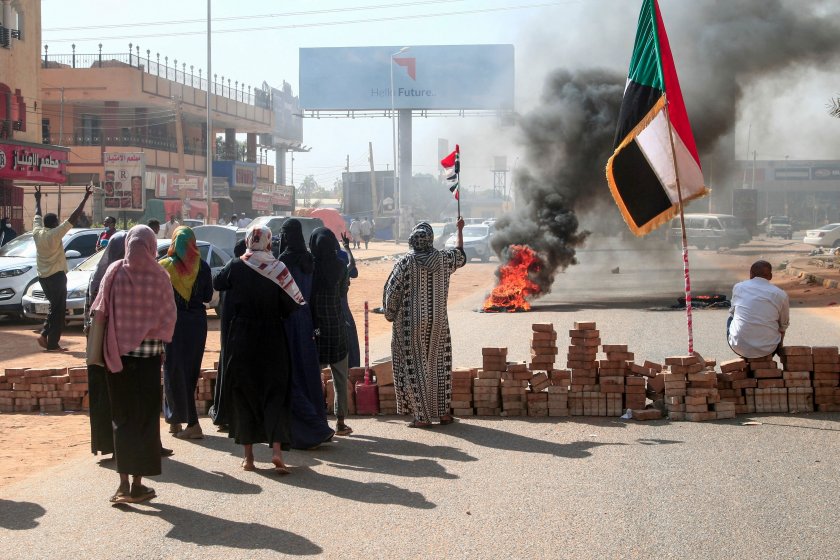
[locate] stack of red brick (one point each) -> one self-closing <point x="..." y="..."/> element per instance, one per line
<point x="43" y="390"/>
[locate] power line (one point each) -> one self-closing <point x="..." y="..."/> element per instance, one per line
<point x="321" y="24"/>
<point x="257" y="16"/>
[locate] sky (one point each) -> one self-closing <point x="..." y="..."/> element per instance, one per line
<point x="781" y="116"/>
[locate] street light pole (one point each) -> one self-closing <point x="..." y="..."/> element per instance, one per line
<point x="397" y="186"/>
<point x="211" y="139"/>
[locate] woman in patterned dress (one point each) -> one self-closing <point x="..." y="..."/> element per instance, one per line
<point x="415" y="302"/>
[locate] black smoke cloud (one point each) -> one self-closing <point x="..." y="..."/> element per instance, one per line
<point x="564" y="137"/>
<point x="720" y="47"/>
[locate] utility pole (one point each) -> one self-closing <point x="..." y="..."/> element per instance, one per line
<point x="179" y="147"/>
<point x="372" y="180"/>
<point x="60" y="140"/>
<point x="211" y="138"/>
<point x="347" y="165"/>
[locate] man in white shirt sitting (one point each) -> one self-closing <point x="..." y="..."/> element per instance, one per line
<point x="759" y="315"/>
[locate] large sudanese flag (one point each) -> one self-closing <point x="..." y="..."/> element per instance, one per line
<point x="641" y="172"/>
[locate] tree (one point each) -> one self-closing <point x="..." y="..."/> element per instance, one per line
<point x="307" y="188"/>
<point x="834" y="107"/>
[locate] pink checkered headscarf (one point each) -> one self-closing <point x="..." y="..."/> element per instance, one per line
<point x="136" y="299"/>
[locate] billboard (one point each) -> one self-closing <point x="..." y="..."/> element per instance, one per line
<point x="288" y="122"/>
<point x="124" y="177"/>
<point x="425" y="77"/>
<point x="32" y="162"/>
<point x="357" y="193"/>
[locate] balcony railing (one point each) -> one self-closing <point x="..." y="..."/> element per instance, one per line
<point x="153" y="66"/>
<point x="193" y="147"/>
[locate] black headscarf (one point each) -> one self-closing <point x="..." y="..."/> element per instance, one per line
<point x="329" y="270"/>
<point x="293" y="251"/>
<point x="240" y="248"/>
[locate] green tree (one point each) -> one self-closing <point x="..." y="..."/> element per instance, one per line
<point x="307" y="189"/>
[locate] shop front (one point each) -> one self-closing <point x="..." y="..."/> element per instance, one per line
<point x="26" y="163"/>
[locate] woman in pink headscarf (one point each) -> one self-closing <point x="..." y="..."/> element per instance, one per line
<point x="137" y="302"/>
<point x="261" y="291"/>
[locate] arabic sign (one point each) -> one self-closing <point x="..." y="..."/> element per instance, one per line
<point x="282" y="196"/>
<point x="22" y="161"/>
<point x="123" y="185"/>
<point x="261" y="201"/>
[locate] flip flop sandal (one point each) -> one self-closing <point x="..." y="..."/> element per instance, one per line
<point x="281" y="469"/>
<point x="344" y="430"/>
<point x="141" y="493"/>
<point x="418" y="424"/>
<point x="121" y="496"/>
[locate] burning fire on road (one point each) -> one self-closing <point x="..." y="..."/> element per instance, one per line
<point x="515" y="287"/>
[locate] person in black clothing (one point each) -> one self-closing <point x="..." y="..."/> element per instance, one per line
<point x="220" y="411"/>
<point x="6" y="231"/>
<point x="261" y="291"/>
<point x="329" y="285"/>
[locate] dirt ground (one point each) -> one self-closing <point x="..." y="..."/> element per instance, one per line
<point x="31" y="442"/>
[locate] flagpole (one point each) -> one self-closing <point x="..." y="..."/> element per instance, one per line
<point x="688" y="317"/>
<point x="458" y="192"/>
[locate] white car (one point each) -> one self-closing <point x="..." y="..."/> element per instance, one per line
<point x="826" y="236"/>
<point x="36" y="306"/>
<point x="17" y="264"/>
<point x="476" y="242"/>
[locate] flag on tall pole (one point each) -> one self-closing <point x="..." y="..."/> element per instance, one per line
<point x="655" y="168"/>
<point x="452" y="170"/>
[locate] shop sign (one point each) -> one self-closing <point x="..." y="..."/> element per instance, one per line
<point x="18" y="161"/>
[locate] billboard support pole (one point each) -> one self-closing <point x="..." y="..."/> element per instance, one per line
<point x="372" y="182"/>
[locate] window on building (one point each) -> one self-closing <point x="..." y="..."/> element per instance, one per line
<point x="91" y="130"/>
<point x="45" y="131"/>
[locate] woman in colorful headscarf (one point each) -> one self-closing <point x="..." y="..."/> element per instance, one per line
<point x="309" y="416"/>
<point x="329" y="284"/>
<point x="414" y="300"/>
<point x="262" y="293"/>
<point x="101" y="432"/>
<point x="134" y="299"/>
<point x="192" y="285"/>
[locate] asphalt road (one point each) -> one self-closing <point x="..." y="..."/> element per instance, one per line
<point x="491" y="487"/>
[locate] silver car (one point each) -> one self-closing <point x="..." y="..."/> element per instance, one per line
<point x="36" y="306"/>
<point x="17" y="264"/>
<point x="476" y="241"/>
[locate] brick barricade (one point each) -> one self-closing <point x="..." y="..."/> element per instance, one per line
<point x="594" y="383"/>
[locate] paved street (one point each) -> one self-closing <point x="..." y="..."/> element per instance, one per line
<point x="490" y="487"/>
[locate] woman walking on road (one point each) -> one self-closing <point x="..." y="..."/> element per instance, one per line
<point x="329" y="284"/>
<point x="192" y="285"/>
<point x="262" y="293"/>
<point x="415" y="302"/>
<point x="309" y="416"/>
<point x="134" y="299"/>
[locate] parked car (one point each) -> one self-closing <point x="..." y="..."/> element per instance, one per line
<point x="826" y="236"/>
<point x="274" y="223"/>
<point x="17" y="264"/>
<point x="711" y="231"/>
<point x="189" y="222"/>
<point x="36" y="306"/>
<point x="779" y="226"/>
<point x="476" y="242"/>
<point x="442" y="232"/>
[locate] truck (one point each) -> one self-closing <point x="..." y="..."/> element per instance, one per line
<point x="779" y="226"/>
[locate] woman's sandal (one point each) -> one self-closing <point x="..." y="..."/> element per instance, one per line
<point x="419" y="424"/>
<point x="280" y="468"/>
<point x="140" y="493"/>
<point x="248" y="466"/>
<point x="122" y="495"/>
<point x="343" y="430"/>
